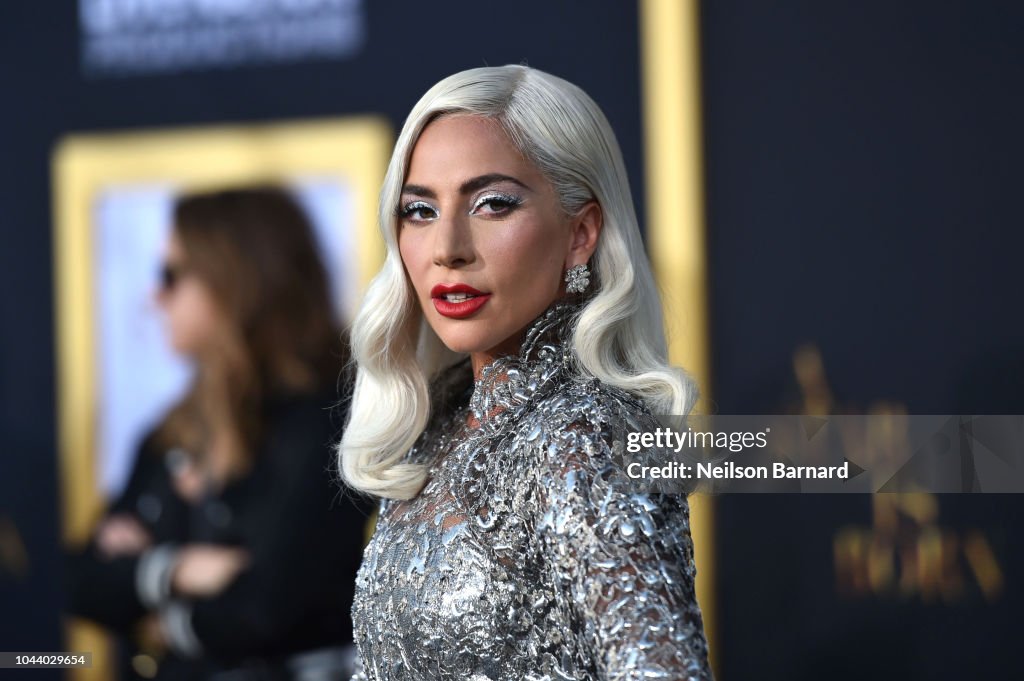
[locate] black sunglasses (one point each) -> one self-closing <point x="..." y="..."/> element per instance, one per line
<point x="170" y="275"/>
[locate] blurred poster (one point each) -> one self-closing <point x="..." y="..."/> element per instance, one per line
<point x="139" y="378"/>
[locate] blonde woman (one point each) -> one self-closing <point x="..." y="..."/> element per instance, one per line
<point x="513" y="334"/>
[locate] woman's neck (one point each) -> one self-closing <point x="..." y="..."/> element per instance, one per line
<point x="220" y="457"/>
<point x="510" y="346"/>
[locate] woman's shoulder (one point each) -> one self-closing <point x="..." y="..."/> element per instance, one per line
<point x="589" y="401"/>
<point x="310" y="412"/>
<point x="577" y="444"/>
<point x="585" y="422"/>
<point x="299" y="432"/>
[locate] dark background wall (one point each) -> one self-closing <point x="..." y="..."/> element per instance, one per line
<point x="863" y="178"/>
<point x="862" y="183"/>
<point x="863" y="170"/>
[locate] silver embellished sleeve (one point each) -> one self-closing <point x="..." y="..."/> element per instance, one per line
<point x="621" y="561"/>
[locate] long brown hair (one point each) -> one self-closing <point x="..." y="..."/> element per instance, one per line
<point x="255" y="250"/>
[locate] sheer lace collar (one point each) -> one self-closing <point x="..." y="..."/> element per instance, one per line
<point x="510" y="382"/>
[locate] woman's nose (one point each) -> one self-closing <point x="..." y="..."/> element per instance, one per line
<point x="453" y="244"/>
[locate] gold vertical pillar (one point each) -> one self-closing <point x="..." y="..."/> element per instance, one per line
<point x="670" y="60"/>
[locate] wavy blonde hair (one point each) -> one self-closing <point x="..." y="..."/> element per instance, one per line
<point x="620" y="334"/>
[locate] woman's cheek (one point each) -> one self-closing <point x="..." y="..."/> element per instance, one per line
<point x="520" y="244"/>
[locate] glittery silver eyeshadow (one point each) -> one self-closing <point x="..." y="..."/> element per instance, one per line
<point x="509" y="200"/>
<point x="408" y="209"/>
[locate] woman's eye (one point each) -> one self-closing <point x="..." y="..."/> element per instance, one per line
<point x="496" y="204"/>
<point x="418" y="210"/>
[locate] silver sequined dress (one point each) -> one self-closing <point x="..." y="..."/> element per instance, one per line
<point x="526" y="556"/>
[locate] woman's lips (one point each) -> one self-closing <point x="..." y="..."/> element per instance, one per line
<point x="457" y="300"/>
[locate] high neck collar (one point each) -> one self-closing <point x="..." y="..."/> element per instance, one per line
<point x="509" y="383"/>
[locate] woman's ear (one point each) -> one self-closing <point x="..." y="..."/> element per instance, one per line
<point x="586" y="228"/>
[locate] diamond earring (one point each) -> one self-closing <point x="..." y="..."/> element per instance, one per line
<point x="577" y="278"/>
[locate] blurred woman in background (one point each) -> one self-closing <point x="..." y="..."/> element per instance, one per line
<point x="228" y="554"/>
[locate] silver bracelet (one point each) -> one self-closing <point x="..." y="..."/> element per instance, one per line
<point x="153" y="574"/>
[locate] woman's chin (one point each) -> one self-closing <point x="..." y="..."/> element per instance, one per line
<point x="183" y="348"/>
<point x="464" y="340"/>
<point x="462" y="346"/>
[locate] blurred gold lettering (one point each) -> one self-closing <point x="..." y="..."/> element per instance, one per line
<point x="905" y="553"/>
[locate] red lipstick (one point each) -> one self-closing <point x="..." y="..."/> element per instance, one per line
<point x="457" y="300"/>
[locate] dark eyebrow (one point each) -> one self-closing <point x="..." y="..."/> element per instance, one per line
<point x="418" y="190"/>
<point x="467" y="187"/>
<point x="476" y="183"/>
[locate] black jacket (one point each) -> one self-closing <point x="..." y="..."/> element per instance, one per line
<point x="304" y="535"/>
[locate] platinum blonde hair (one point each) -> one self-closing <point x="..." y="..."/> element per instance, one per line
<point x="620" y="334"/>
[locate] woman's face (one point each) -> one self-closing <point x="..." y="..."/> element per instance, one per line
<point x="189" y="308"/>
<point x="482" y="236"/>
